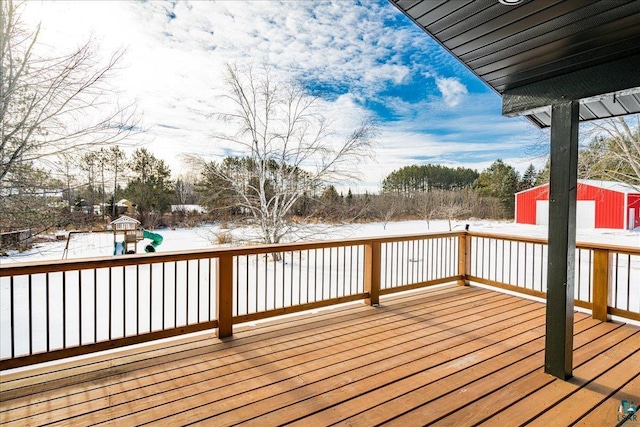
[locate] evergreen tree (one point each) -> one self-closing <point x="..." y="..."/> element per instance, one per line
<point x="529" y="178"/>
<point x="544" y="174"/>
<point x="421" y="178"/>
<point x="150" y="187"/>
<point x="500" y="181"/>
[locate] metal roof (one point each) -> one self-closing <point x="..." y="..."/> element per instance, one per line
<point x="618" y="187"/>
<point x="539" y="51"/>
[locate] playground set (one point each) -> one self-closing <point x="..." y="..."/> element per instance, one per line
<point x="127" y="232"/>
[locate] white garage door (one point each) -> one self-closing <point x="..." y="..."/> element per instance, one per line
<point x="585" y="213"/>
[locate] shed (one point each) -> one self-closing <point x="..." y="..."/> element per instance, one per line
<point x="599" y="204"/>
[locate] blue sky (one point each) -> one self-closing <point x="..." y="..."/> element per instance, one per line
<point x="362" y="58"/>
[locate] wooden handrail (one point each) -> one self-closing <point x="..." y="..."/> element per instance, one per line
<point x="51" y="266"/>
<point x="627" y="250"/>
<point x="36" y="267"/>
<point x="602" y="274"/>
<point x="221" y="284"/>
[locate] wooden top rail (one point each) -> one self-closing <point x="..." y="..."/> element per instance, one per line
<point x="627" y="250"/>
<point x="50" y="266"/>
<point x="630" y="250"/>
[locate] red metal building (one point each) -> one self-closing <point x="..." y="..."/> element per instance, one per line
<point x="600" y="204"/>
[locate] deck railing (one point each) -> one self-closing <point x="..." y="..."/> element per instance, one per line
<point x="607" y="278"/>
<point x="65" y="308"/>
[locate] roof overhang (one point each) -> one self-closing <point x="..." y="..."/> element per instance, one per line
<point x="538" y="53"/>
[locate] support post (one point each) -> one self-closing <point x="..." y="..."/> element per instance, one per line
<point x="601" y="281"/>
<point x="372" y="272"/>
<point x="225" y="296"/>
<point x="562" y="240"/>
<point x="464" y="258"/>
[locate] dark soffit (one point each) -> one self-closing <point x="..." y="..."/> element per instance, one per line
<point x="541" y="51"/>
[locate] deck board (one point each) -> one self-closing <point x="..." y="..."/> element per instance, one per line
<point x="585" y="370"/>
<point x="203" y="366"/>
<point x="608" y="408"/>
<point x="534" y="384"/>
<point x="446" y="356"/>
<point x="277" y="377"/>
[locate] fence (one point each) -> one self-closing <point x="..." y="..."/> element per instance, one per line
<point x="607" y="278"/>
<point x="72" y="307"/>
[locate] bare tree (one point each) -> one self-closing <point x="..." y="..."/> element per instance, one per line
<point x="89" y="165"/>
<point x="287" y="149"/>
<point x="64" y="167"/>
<point x="428" y="206"/>
<point x="52" y="105"/>
<point x="614" y="151"/>
<point x="609" y="149"/>
<point x="32" y="200"/>
<point x="387" y="206"/>
<point x="185" y="189"/>
<point x="453" y="210"/>
<point x="116" y="164"/>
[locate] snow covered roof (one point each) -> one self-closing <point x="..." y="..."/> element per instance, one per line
<point x="125" y="220"/>
<point x="618" y="187"/>
<point x="188" y="208"/>
<point x="610" y="185"/>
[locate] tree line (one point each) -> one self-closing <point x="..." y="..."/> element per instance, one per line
<point x="498" y="184"/>
<point x="82" y="191"/>
<point x="414" y="178"/>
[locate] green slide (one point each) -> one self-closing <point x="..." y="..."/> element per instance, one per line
<point x="156" y="240"/>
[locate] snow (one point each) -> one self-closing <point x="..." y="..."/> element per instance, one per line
<point x="84" y="245"/>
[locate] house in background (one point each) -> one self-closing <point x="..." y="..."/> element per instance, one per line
<point x="188" y="208"/>
<point x="600" y="204"/>
<point x="125" y="207"/>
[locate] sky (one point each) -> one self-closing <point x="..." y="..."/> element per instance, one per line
<point x="361" y="58"/>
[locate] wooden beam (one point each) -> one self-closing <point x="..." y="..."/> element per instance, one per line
<point x="225" y="296"/>
<point x="562" y="240"/>
<point x="372" y="272"/>
<point x="464" y="258"/>
<point x="601" y="281"/>
<point x="585" y="83"/>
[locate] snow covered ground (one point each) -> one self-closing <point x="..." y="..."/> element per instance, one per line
<point x="84" y="245"/>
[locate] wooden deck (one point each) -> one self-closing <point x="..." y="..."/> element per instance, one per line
<point x="453" y="356"/>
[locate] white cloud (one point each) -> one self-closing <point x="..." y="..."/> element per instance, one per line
<point x="452" y="90"/>
<point x="176" y="53"/>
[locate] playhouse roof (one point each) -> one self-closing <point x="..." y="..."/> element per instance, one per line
<point x="125" y="220"/>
